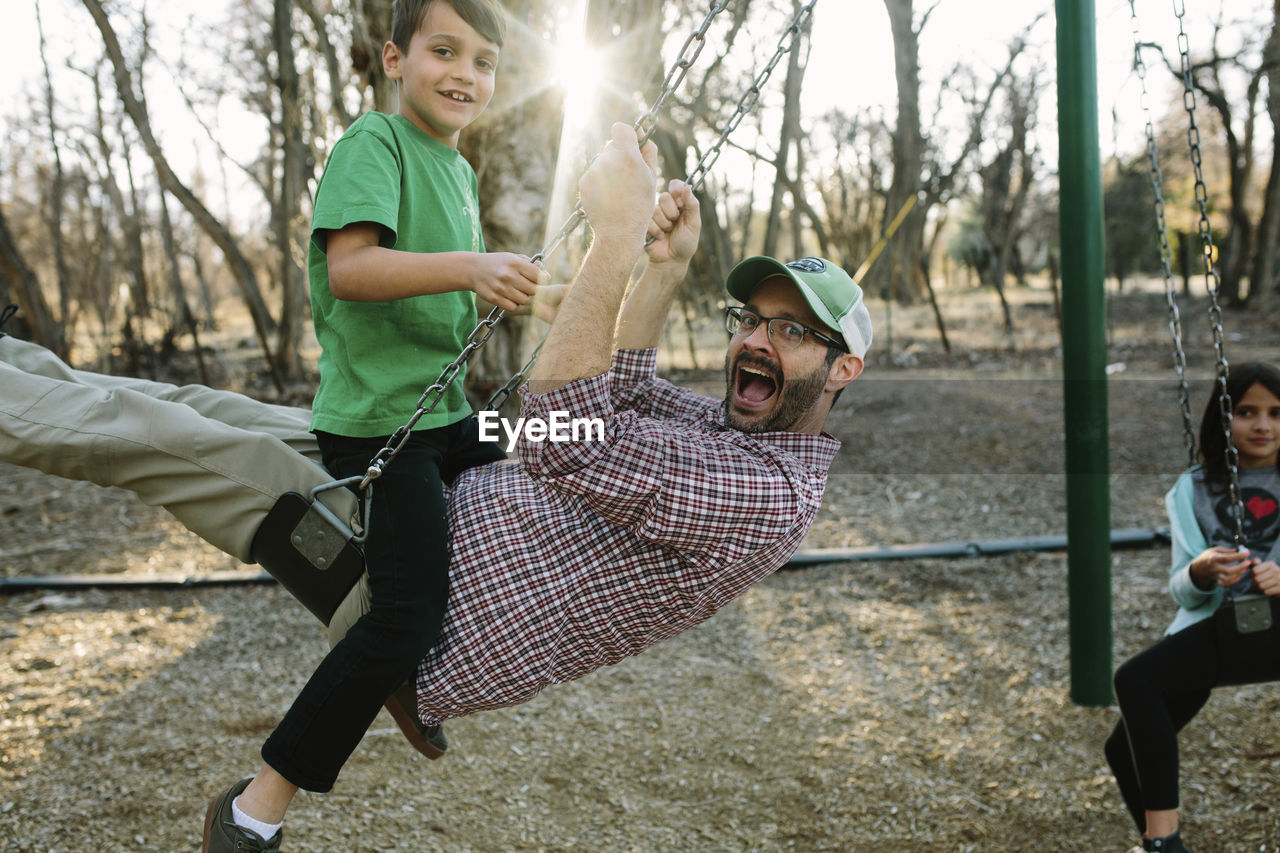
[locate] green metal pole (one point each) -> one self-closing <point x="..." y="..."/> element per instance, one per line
<point x="1084" y="355"/>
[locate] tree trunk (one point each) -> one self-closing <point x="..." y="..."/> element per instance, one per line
<point x="1233" y="251"/>
<point x="788" y="136"/>
<point x="1006" y="312"/>
<point x="926" y="273"/>
<point x="56" y="200"/>
<point x="104" y="296"/>
<point x="139" y="292"/>
<point x="325" y="44"/>
<point x="290" y="229"/>
<point x="1003" y="202"/>
<point x="1185" y="253"/>
<point x="898" y="276"/>
<point x="243" y="272"/>
<point x="1262" y="276"/>
<point x="183" y="318"/>
<point x="18" y="284"/>
<point x="370" y="30"/>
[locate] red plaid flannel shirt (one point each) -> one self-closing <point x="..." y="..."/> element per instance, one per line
<point x="589" y="551"/>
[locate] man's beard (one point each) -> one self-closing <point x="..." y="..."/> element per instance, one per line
<point x="796" y="396"/>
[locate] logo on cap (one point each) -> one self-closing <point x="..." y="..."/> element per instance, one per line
<point x="808" y="265"/>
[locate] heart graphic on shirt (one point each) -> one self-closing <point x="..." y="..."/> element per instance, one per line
<point x="1260" y="507"/>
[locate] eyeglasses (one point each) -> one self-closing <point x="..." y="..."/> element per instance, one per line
<point x="785" y="334"/>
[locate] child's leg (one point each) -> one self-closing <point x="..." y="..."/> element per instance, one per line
<point x="1120" y="758"/>
<point x="407" y="561"/>
<point x="1159" y="691"/>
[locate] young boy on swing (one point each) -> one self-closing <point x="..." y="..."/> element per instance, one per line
<point x="396" y="262"/>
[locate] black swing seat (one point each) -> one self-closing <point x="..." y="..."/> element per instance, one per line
<point x="303" y="548"/>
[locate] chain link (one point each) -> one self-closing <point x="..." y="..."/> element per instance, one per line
<point x="484" y="329"/>
<point x="648" y="122"/>
<point x="748" y="100"/>
<point x="1162" y="234"/>
<point x="500" y="397"/>
<point x="700" y="171"/>
<point x="1212" y="281"/>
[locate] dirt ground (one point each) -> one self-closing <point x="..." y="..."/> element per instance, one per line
<point x="903" y="705"/>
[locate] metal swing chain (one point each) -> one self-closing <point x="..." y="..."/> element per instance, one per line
<point x="647" y="123"/>
<point x="1162" y="233"/>
<point x="699" y="173"/>
<point x="1212" y="281"/>
<point x="749" y="98"/>
<point x="484" y="329"/>
<point x="679" y="69"/>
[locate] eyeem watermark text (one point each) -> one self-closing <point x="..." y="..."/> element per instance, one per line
<point x="560" y="427"/>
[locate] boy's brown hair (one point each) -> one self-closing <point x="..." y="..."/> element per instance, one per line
<point x="484" y="16"/>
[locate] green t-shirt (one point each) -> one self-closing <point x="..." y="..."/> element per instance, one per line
<point x="377" y="358"/>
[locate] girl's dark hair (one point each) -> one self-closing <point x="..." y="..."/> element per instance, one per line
<point x="1213" y="447"/>
<point x="484" y="16"/>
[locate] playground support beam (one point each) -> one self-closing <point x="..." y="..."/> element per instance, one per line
<point x="1084" y="355"/>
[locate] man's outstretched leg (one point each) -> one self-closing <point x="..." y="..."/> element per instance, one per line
<point x="290" y="424"/>
<point x="218" y="480"/>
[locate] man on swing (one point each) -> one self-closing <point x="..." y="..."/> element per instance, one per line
<point x="583" y="552"/>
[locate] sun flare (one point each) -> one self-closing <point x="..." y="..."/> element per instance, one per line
<point x="578" y="71"/>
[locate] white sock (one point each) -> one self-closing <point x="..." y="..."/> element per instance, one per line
<point x="266" y="830"/>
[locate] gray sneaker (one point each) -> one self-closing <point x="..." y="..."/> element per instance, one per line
<point x="221" y="835"/>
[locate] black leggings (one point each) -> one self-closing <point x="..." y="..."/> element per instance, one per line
<point x="1161" y="689"/>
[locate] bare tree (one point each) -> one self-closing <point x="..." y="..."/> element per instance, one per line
<point x="135" y="105"/>
<point x="1007" y="179"/>
<point x="295" y="172"/>
<point x="128" y="248"/>
<point x="922" y="166"/>
<point x="1263" y="277"/>
<point x="325" y="46"/>
<point x="19" y="285"/>
<point x="852" y="186"/>
<point x="370" y="30"/>
<point x="908" y="150"/>
<point x="184" y="319"/>
<point x="57" y="190"/>
<point x="789" y="136"/>
<point x="1236" y="249"/>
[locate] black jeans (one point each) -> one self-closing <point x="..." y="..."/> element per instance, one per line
<point x="1161" y="689"/>
<point x="407" y="558"/>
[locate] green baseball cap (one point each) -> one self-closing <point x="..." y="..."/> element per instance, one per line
<point x="830" y="292"/>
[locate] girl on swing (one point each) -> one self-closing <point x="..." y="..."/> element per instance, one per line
<point x="1217" y="638"/>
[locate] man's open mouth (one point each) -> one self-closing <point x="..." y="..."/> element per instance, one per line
<point x="754" y="385"/>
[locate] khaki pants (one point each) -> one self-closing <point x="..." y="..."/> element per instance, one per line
<point x="216" y="460"/>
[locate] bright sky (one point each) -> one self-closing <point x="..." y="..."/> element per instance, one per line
<point x="851" y="64"/>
